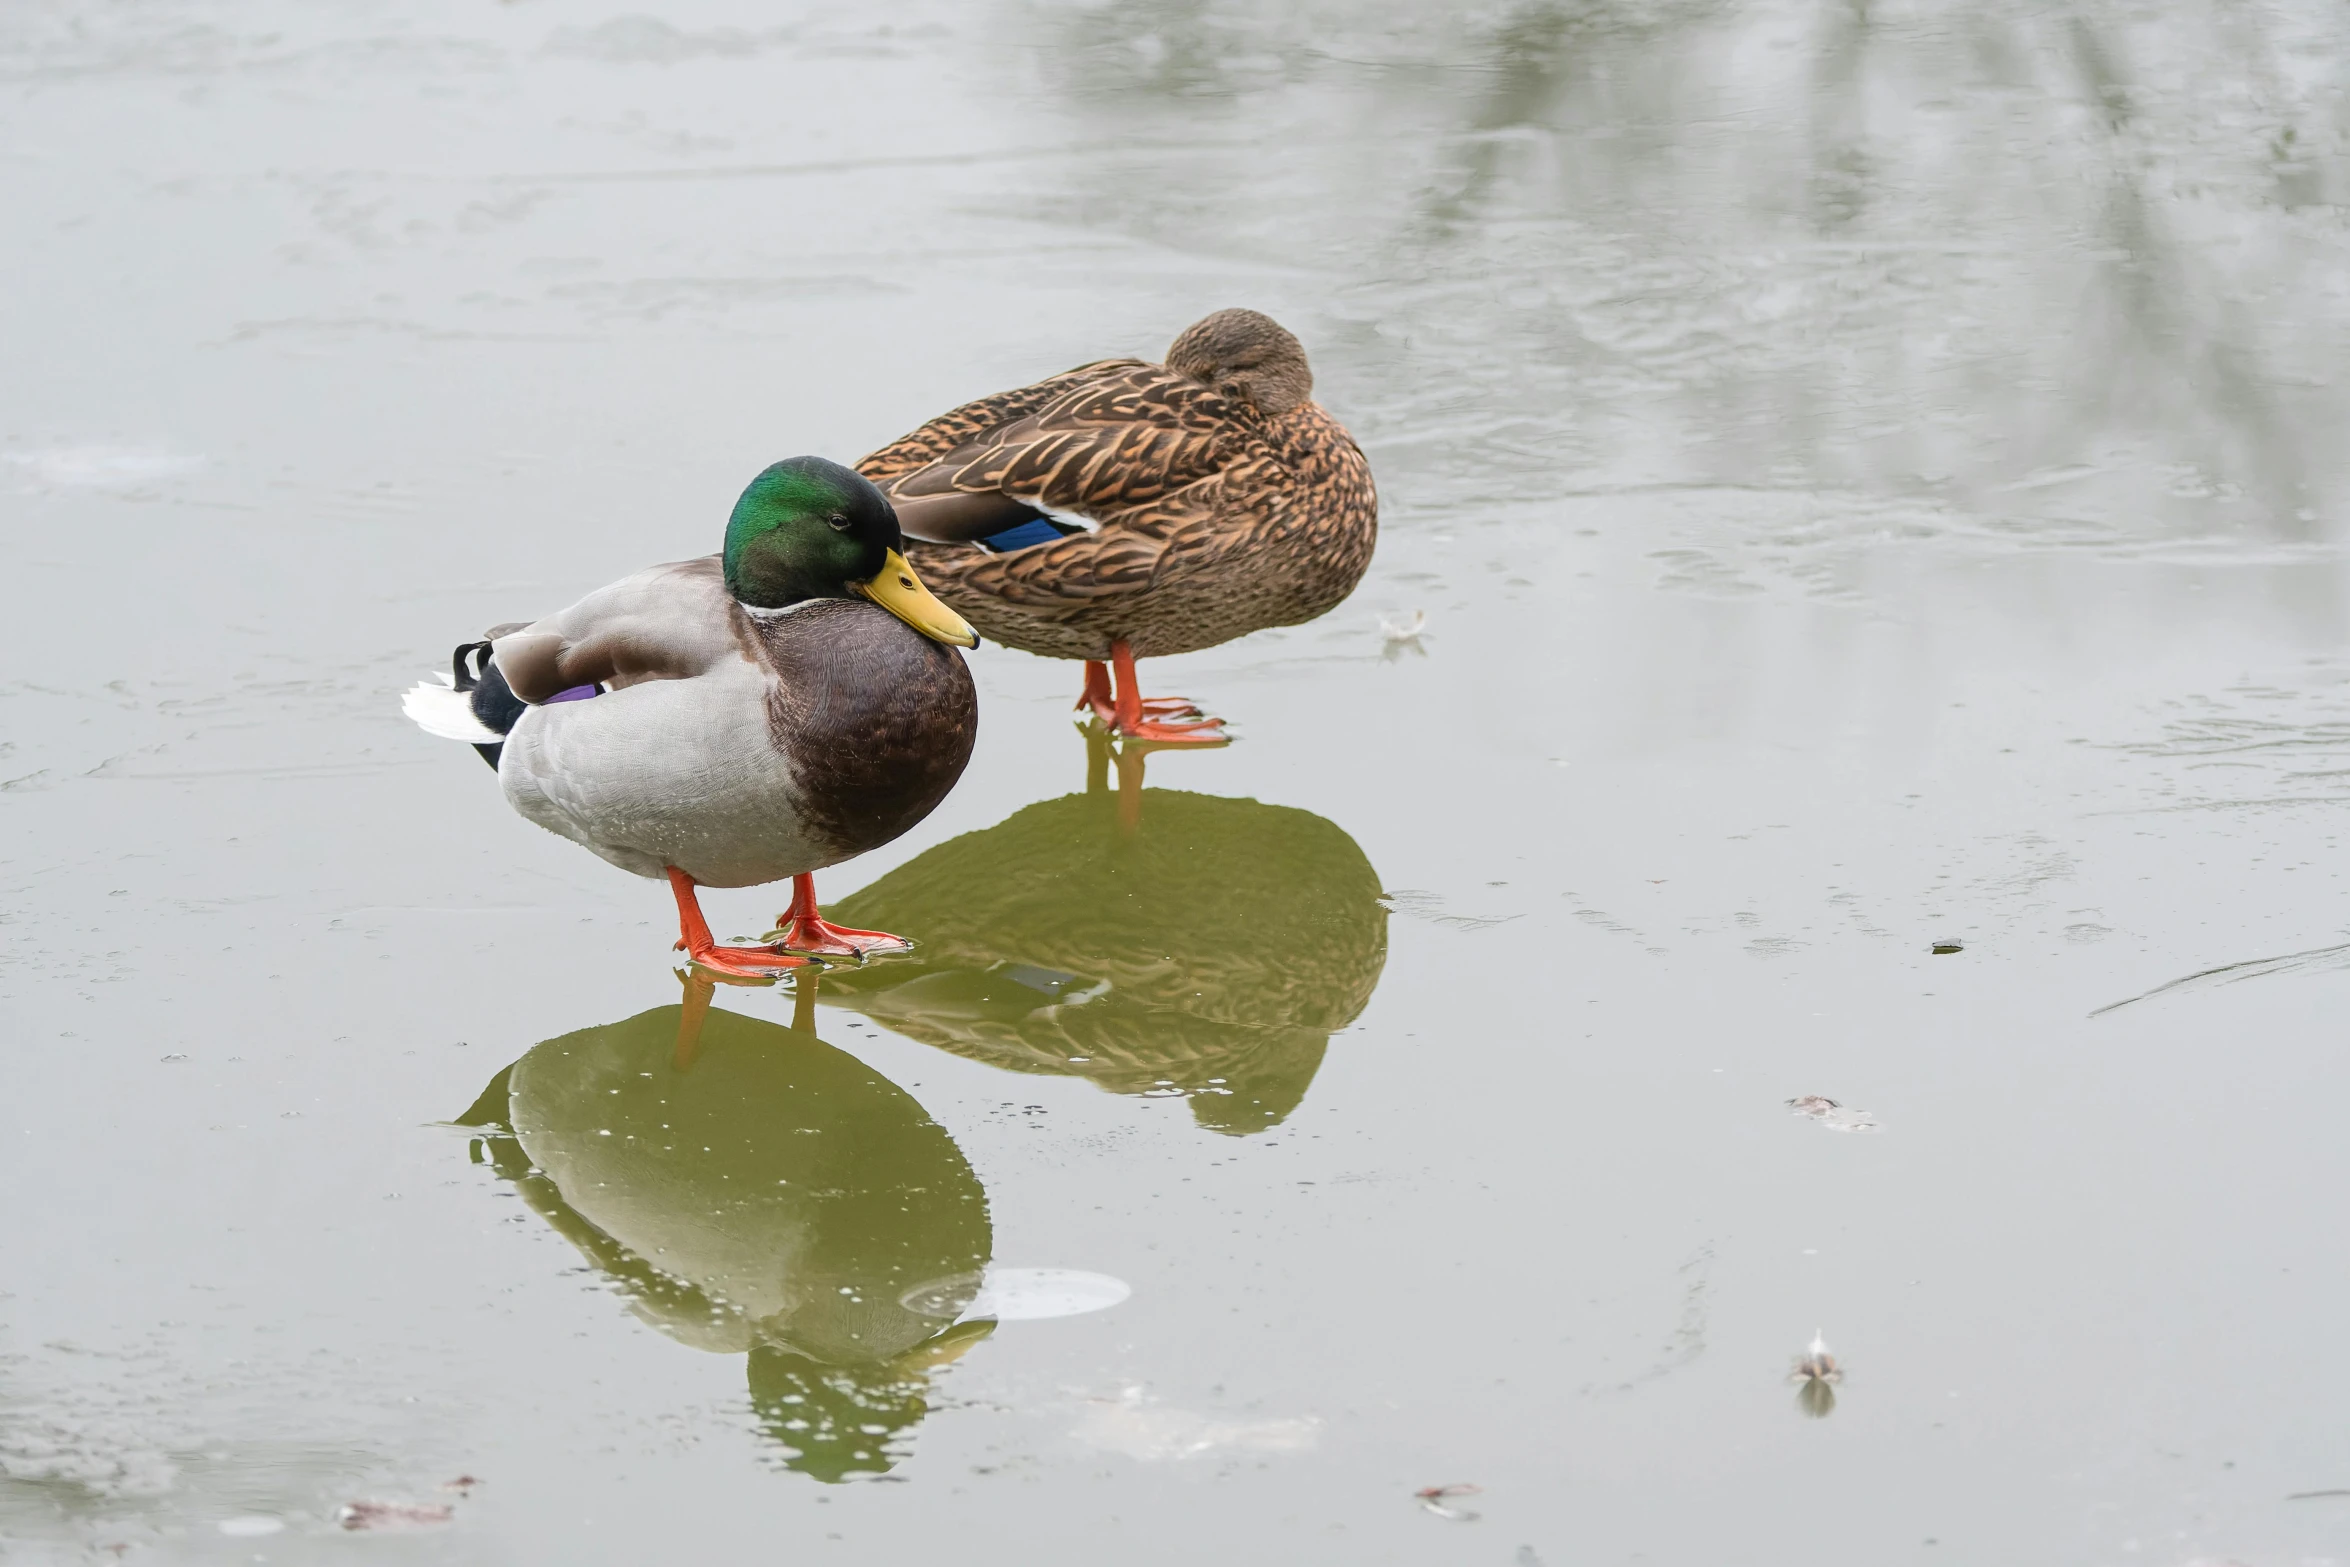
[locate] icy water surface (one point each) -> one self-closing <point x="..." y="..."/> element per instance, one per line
<point x="1873" y="477"/>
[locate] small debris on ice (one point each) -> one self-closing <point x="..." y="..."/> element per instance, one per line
<point x="384" y="1516"/>
<point x="1434" y="1497"/>
<point x="1395" y="638"/>
<point x="1830" y="1114"/>
<point x="1819" y="1374"/>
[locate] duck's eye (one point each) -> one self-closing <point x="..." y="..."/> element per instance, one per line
<point x="839" y="522"/>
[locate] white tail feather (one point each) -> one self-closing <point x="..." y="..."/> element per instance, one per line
<point x="438" y="708"/>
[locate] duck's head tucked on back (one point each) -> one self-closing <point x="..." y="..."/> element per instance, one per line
<point x="1245" y="354"/>
<point x="809" y="529"/>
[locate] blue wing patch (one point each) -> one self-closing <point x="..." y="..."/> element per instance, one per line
<point x="1036" y="530"/>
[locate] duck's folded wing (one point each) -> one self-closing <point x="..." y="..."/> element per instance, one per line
<point x="667" y="623"/>
<point x="1119" y="437"/>
<point x="1149" y="545"/>
<point x="975" y="420"/>
<point x="1079" y="569"/>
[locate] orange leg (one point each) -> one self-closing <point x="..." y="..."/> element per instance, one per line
<point x="1169" y="720"/>
<point x="694" y="940"/>
<point x="1099" y="697"/>
<point x="803" y="929"/>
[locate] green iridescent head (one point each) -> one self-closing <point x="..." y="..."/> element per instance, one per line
<point x="811" y="529"/>
<point x="807" y="529"/>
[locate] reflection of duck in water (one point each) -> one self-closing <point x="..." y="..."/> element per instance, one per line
<point x="749" y="1187"/>
<point x="1211" y="949"/>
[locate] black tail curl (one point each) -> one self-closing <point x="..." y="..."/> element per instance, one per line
<point x="494" y="701"/>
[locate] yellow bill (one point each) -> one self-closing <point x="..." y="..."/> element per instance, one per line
<point x="896" y="589"/>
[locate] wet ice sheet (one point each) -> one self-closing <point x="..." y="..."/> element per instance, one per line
<point x="1870" y="480"/>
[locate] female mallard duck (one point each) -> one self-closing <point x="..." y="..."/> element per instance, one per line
<point x="757" y="714"/>
<point x="1223" y="500"/>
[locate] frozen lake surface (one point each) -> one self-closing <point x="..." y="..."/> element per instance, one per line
<point x="1874" y="477"/>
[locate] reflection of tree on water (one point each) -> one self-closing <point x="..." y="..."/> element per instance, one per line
<point x="1937" y="252"/>
<point x="747" y="1187"/>
<point x="1211" y="949"/>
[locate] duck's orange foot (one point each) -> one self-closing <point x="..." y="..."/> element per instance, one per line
<point x="1098" y="700"/>
<point x="1157" y="707"/>
<point x="819" y="937"/>
<point x="744" y="962"/>
<point x="1155" y="720"/>
<point x="694" y="940"/>
<point x="1152" y="731"/>
<point x="802" y="929"/>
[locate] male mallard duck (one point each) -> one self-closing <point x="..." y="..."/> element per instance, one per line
<point x="1223" y="500"/>
<point x="756" y="714"/>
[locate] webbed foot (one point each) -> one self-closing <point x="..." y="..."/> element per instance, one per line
<point x="695" y="941"/>
<point x="802" y="929"/>
<point x="1129" y="715"/>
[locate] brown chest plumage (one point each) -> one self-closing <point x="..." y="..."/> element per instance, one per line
<point x="875" y="720"/>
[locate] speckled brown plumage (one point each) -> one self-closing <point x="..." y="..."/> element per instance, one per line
<point x="1225" y="500"/>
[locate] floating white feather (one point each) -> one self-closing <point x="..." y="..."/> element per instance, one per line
<point x="438" y="708"/>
